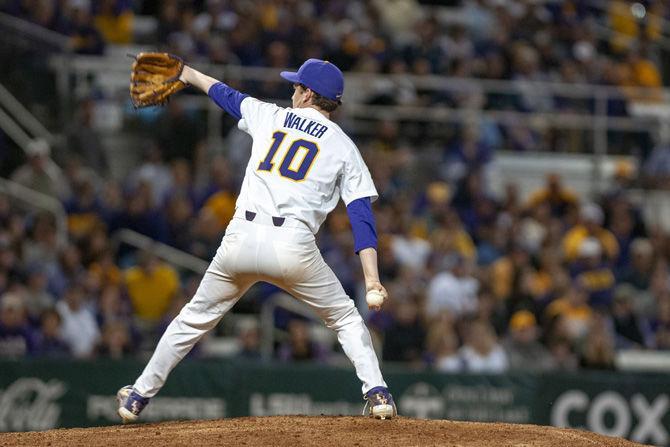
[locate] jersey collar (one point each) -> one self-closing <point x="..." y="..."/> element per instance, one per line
<point x="312" y="112"/>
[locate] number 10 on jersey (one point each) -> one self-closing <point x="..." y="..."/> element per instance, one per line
<point x="288" y="168"/>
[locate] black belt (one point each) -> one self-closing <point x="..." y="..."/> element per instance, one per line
<point x="277" y="221"/>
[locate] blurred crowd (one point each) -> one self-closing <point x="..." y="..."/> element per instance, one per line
<point x="520" y="40"/>
<point x="479" y="280"/>
<point x="497" y="39"/>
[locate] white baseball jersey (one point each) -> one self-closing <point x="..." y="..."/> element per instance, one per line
<point x="301" y="164"/>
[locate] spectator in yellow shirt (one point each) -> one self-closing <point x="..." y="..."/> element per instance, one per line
<point x="457" y="241"/>
<point x="641" y="72"/>
<point x="114" y="20"/>
<point x="590" y="225"/>
<point x="573" y="310"/>
<point x="222" y="205"/>
<point x="629" y="28"/>
<point x="559" y="198"/>
<point x="506" y="272"/>
<point x="625" y="25"/>
<point x="449" y="236"/>
<point x="151" y="286"/>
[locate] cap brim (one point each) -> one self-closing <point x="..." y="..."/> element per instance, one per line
<point x="290" y="76"/>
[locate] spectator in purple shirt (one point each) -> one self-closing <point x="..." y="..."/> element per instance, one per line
<point x="16" y="338"/>
<point x="299" y="346"/>
<point x="50" y="343"/>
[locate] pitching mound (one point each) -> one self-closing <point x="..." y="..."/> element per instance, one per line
<point x="320" y="431"/>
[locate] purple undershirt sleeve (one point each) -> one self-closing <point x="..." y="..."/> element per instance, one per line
<point x="227" y="98"/>
<point x="362" y="224"/>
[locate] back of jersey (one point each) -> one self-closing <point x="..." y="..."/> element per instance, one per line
<point x="301" y="164"/>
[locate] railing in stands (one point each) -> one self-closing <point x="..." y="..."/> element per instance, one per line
<point x="25" y="36"/>
<point x="19" y="30"/>
<point x="174" y="256"/>
<point x="39" y="201"/>
<point x="18" y="123"/>
<point x="22" y="115"/>
<point x="13" y="130"/>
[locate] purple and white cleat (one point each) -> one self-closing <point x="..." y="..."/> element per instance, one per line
<point x="380" y="402"/>
<point x="131" y="404"/>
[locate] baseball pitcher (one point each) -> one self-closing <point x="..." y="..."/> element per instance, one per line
<point x="301" y="164"/>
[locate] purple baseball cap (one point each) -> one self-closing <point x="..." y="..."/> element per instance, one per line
<point x="321" y="76"/>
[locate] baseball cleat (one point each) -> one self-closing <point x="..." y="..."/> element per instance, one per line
<point x="131" y="404"/>
<point x="380" y="402"/>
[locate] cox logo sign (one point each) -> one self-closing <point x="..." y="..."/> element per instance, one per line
<point x="649" y="415"/>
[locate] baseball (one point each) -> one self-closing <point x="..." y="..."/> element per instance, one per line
<point x="374" y="298"/>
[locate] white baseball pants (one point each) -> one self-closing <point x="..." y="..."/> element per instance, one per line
<point x="286" y="256"/>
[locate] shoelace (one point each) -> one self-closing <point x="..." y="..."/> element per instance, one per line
<point x="365" y="407"/>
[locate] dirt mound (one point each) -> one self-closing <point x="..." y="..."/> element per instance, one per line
<point x="319" y="431"/>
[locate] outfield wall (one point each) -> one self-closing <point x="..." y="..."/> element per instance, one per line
<point x="38" y="395"/>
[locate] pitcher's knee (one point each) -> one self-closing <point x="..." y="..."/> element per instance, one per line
<point x="343" y="316"/>
<point x="192" y="316"/>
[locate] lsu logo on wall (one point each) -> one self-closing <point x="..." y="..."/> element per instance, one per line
<point x="29" y="403"/>
<point x="612" y="414"/>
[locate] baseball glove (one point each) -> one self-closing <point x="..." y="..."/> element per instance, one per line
<point x="154" y="78"/>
